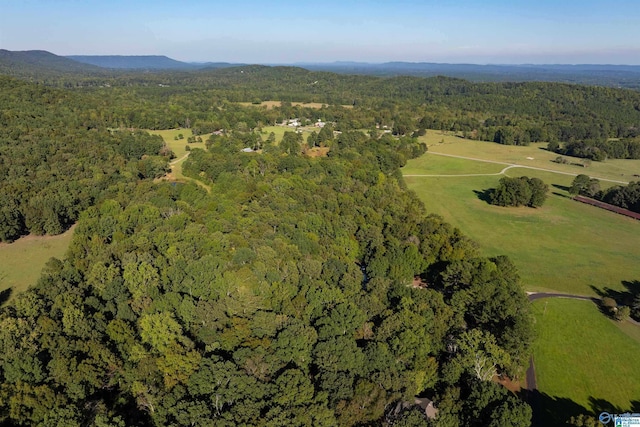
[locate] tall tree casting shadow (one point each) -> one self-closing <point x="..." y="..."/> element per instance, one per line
<point x="627" y="297"/>
<point x="552" y="411"/>
<point x="560" y="187"/>
<point x="5" y="295"/>
<point x="484" y="195"/>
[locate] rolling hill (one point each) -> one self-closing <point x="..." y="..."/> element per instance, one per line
<point x="135" y="62"/>
<point x="36" y="63"/>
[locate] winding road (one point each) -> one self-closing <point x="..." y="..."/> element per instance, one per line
<point x="509" y="166"/>
<point x="179" y="160"/>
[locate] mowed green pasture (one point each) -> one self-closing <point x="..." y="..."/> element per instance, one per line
<point x="279" y="131"/>
<point x="178" y="146"/>
<point x="21" y="261"/>
<point x="441" y="165"/>
<point x="272" y="104"/>
<point x="533" y="155"/>
<point x="564" y="246"/>
<point x="582" y="355"/>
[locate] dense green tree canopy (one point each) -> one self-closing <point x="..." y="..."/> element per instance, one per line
<point x="279" y="298"/>
<point x="285" y="295"/>
<point x="520" y="191"/>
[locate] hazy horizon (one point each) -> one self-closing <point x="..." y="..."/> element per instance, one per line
<point x="496" y="32"/>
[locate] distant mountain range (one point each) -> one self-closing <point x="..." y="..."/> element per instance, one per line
<point x="41" y="65"/>
<point x="144" y="62"/>
<point x="35" y="61"/>
<point x="605" y="75"/>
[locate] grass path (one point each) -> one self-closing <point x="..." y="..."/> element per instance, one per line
<point x="534" y="154"/>
<point x="467" y="174"/>
<point x="176" y="161"/>
<point x="509" y="166"/>
<point x="178" y="146"/>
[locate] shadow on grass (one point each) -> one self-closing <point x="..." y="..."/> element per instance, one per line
<point x="555" y="193"/>
<point x="628" y="297"/>
<point x="484" y="195"/>
<point x="5" y="295"/>
<point x="551" y="411"/>
<point x="561" y="187"/>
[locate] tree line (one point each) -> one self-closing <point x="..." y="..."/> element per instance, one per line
<point x="507" y="113"/>
<point x="626" y="197"/>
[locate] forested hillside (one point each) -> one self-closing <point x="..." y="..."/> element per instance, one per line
<point x="280" y="298"/>
<point x="39" y="65"/>
<point x="53" y="166"/>
<point x="301" y="290"/>
<point x="507" y="113"/>
<point x="569" y="116"/>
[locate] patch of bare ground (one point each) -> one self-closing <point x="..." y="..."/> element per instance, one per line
<point x="317" y="152"/>
<point x="511" y="385"/>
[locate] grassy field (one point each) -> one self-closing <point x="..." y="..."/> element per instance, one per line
<point x="280" y="130"/>
<point x="178" y="148"/>
<point x="565" y="246"/>
<point x="582" y="355"/>
<point x="436" y="165"/>
<point x="533" y="155"/>
<point x="22" y="260"/>
<point x="272" y="104"/>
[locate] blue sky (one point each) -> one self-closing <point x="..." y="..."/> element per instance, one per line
<point x="489" y="31"/>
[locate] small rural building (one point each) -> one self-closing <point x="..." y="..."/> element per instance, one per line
<point x="430" y="411"/>
<point x="427" y="406"/>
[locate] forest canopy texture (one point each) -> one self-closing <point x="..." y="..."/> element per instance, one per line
<point x="280" y="298"/>
<point x="299" y="290"/>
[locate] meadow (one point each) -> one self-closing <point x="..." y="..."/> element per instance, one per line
<point x="279" y="131"/>
<point x="584" y="356"/>
<point x="23" y="260"/>
<point x="564" y="246"/>
<point x="178" y="146"/>
<point x="581" y="357"/>
<point x="534" y="155"/>
<point x="272" y="104"/>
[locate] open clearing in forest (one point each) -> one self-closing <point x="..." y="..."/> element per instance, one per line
<point x="178" y="146"/>
<point x="584" y="356"/>
<point x="272" y="104"/>
<point x="580" y="355"/>
<point x="533" y="155"/>
<point x="564" y="246"/>
<point x="21" y="261"/>
<point x="279" y="131"/>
